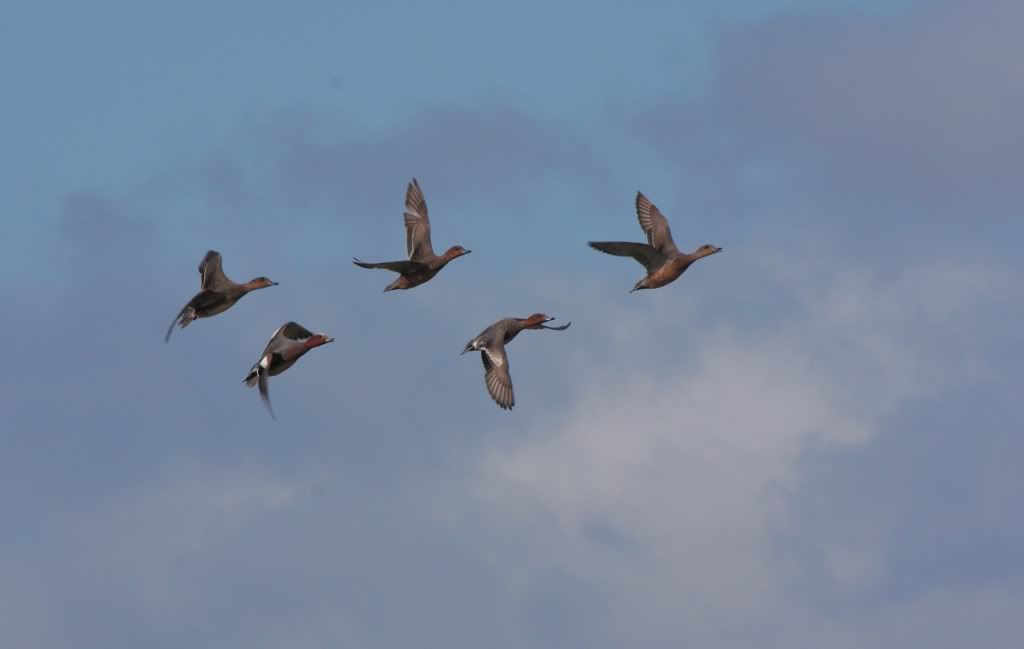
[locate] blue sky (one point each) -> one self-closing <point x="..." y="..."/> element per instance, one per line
<point x="809" y="440"/>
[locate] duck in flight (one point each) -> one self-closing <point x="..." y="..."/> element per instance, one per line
<point x="286" y="346"/>
<point x="660" y="256"/>
<point x="217" y="293"/>
<point x="422" y="264"/>
<point x="491" y="345"/>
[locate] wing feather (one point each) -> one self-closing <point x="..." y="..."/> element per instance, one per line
<point x="654" y="225"/>
<point x="496" y="375"/>
<point x="417" y="224"/>
<point x="211" y="272"/>
<point x="648" y="256"/>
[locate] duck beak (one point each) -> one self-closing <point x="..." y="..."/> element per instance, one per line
<point x="274" y="283"/>
<point x="549" y="319"/>
<point x="718" y="250"/>
<point x="467" y="252"/>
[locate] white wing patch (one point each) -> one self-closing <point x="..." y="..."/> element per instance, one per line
<point x="265" y="361"/>
<point x="496" y="360"/>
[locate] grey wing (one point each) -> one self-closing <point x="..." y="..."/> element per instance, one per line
<point x="496" y="375"/>
<point x="295" y="331"/>
<point x="401" y="267"/>
<point x="287" y="336"/>
<point x="211" y="274"/>
<point x="650" y="257"/>
<point x="553" y="328"/>
<point x="264" y="386"/>
<point x="654" y="225"/>
<point x="417" y="224"/>
<point x="174" y="322"/>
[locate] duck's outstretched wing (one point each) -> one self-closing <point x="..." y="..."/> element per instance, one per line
<point x="648" y="256"/>
<point x="496" y="375"/>
<point x="561" y="328"/>
<point x="258" y="377"/>
<point x="417" y="224"/>
<point x="402" y="267"/>
<point x="289" y="338"/>
<point x="264" y="387"/>
<point x="655" y="225"/>
<point x="211" y="273"/>
<point x="167" y="338"/>
<point x="203" y="301"/>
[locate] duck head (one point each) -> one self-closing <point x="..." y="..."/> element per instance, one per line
<point x="455" y="251"/>
<point x="537" y="320"/>
<point x="259" y="282"/>
<point x="318" y="339"/>
<point x="707" y="249"/>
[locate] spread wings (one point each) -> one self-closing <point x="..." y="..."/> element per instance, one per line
<point x="649" y="256"/>
<point x="496" y="375"/>
<point x="654" y="225"/>
<point x="211" y="275"/>
<point x="402" y="267"/>
<point x="289" y="336"/>
<point x="417" y="224"/>
<point x="264" y="388"/>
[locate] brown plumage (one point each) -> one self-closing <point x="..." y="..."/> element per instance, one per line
<point x="422" y="264"/>
<point x="217" y="293"/>
<point x="660" y="256"/>
<point x="287" y="345"/>
<point x="491" y="345"/>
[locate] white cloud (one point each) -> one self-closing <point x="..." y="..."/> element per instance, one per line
<point x="669" y="493"/>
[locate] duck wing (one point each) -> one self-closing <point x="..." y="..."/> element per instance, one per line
<point x="560" y="328"/>
<point x="496" y="374"/>
<point x="174" y="322"/>
<point x="401" y="267"/>
<point x="649" y="257"/>
<point x="258" y="376"/>
<point x="417" y="224"/>
<point x="264" y="387"/>
<point x="288" y="337"/>
<point x="211" y="274"/>
<point x="655" y="226"/>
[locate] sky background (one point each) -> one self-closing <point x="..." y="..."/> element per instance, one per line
<point x="811" y="439"/>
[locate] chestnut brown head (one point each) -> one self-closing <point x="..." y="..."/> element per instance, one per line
<point x="456" y="251"/>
